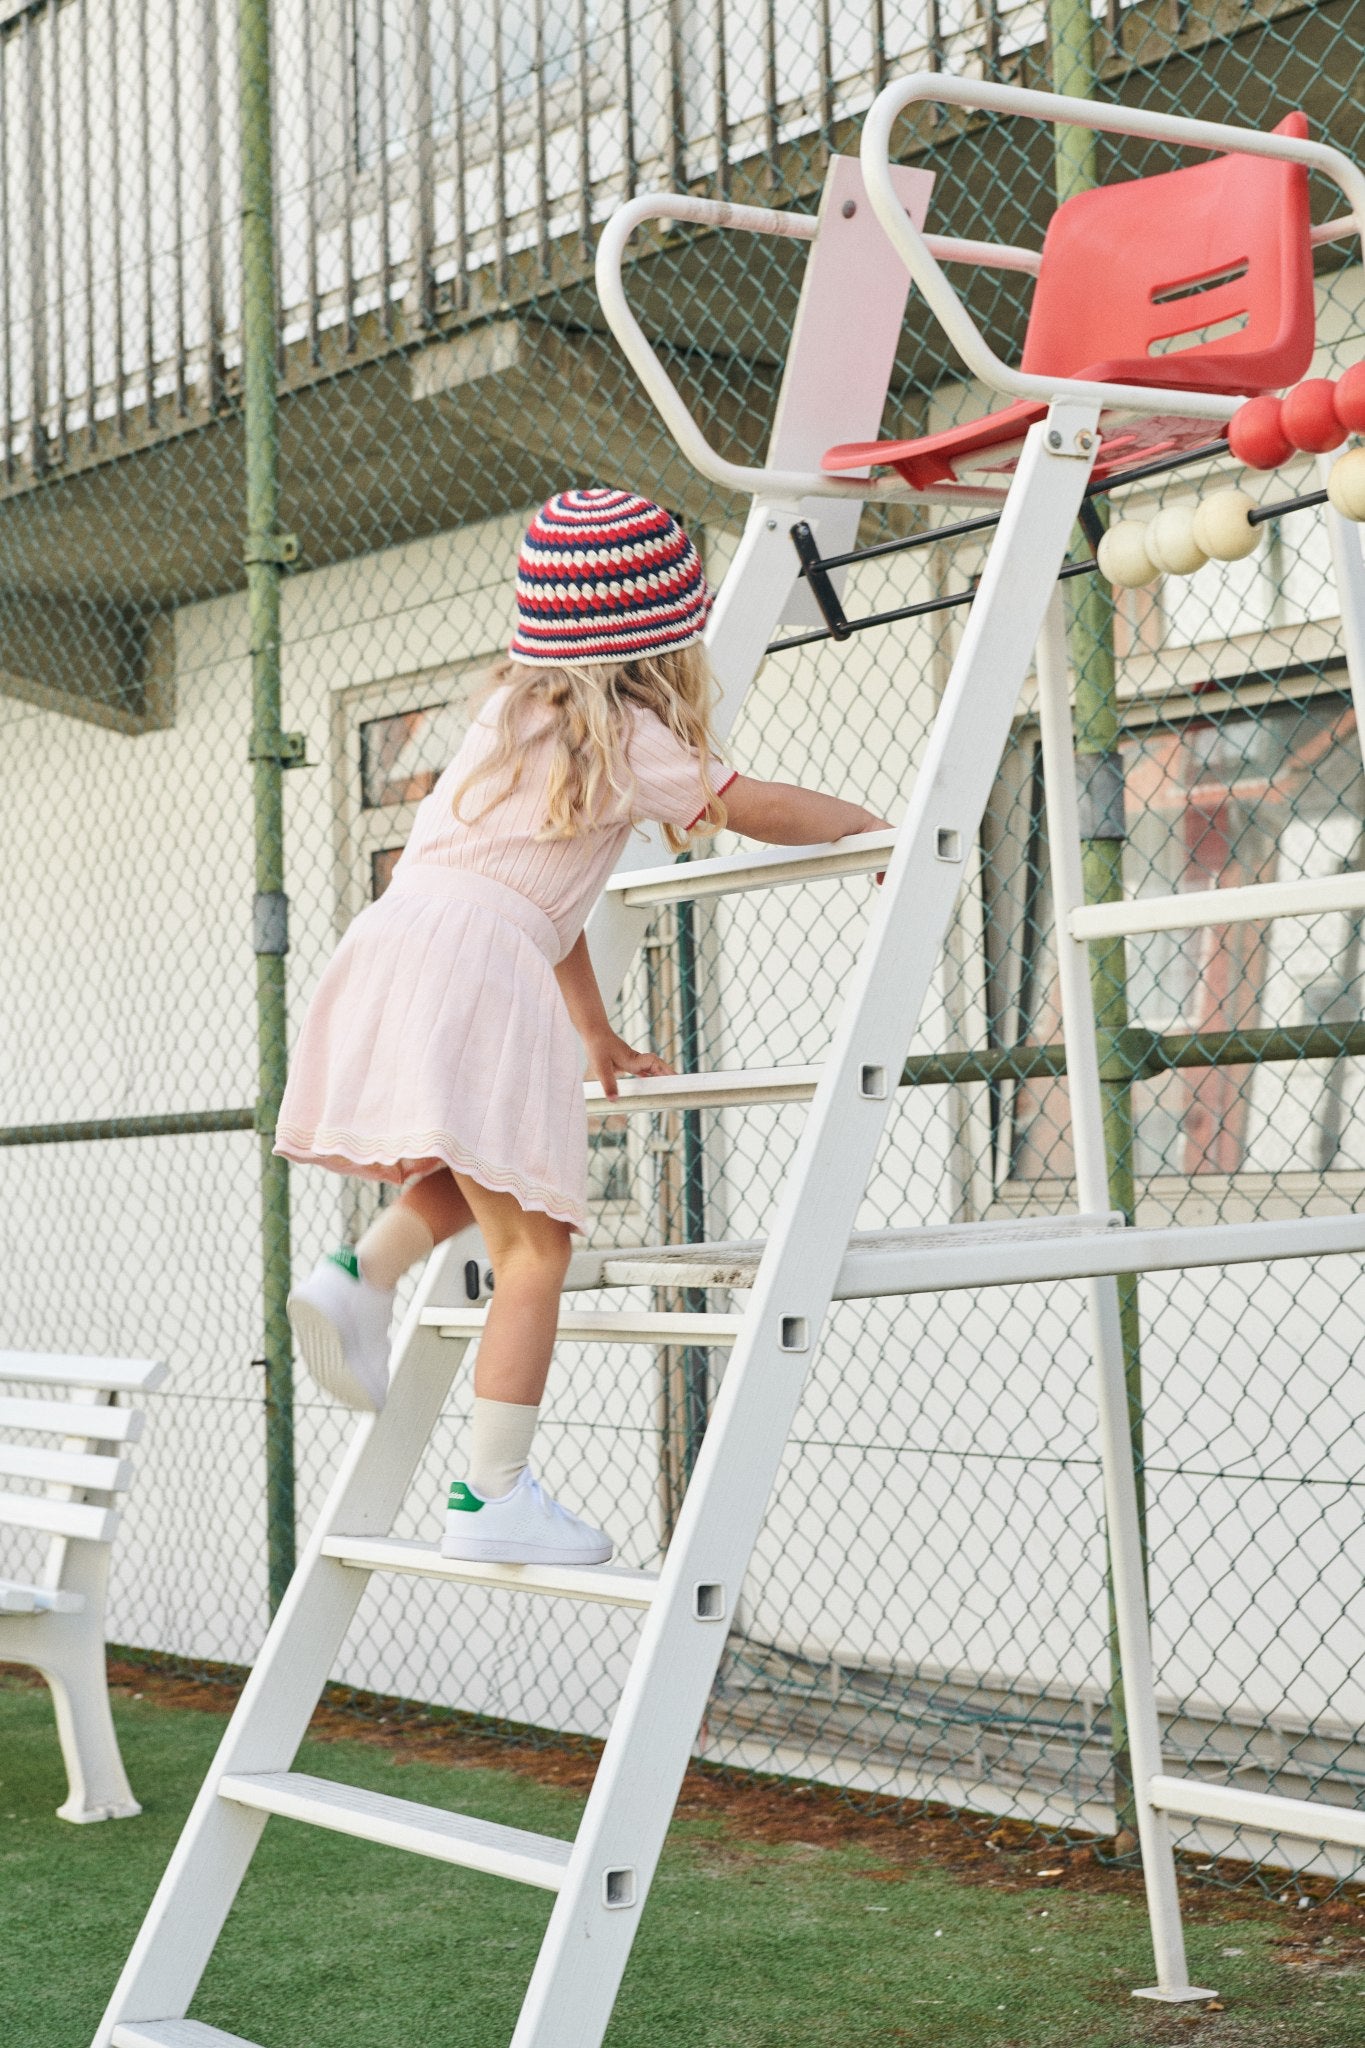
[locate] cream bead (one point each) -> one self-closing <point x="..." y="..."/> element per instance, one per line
<point x="1171" y="542"/>
<point x="1123" y="556"/>
<point x="1346" y="484"/>
<point x="1222" y="526"/>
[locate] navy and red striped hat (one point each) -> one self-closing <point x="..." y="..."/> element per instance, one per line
<point x="606" y="576"/>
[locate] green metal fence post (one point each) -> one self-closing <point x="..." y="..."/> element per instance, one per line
<point x="267" y="550"/>
<point x="1071" y="30"/>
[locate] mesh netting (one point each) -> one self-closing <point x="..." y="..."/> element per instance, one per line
<point x="927" y="1611"/>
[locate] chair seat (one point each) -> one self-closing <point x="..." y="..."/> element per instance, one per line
<point x="938" y="459"/>
<point x="21" y="1599"/>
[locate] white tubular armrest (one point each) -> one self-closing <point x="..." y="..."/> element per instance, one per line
<point x="706" y="460"/>
<point x="957" y="323"/>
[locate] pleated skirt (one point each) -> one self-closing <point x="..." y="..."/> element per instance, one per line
<point x="438" y="1036"/>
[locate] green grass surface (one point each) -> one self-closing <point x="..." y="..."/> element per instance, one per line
<point x="337" y="1944"/>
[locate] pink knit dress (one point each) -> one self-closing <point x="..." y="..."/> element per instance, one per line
<point x="437" y="1035"/>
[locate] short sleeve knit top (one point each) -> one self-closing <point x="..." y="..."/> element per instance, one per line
<point x="563" y="877"/>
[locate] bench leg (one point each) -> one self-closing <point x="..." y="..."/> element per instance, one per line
<point x="71" y="1656"/>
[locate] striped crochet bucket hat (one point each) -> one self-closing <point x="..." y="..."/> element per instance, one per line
<point x="606" y="576"/>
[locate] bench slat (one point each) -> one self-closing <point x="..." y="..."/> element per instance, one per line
<point x="66" y="1468"/>
<point x="61" y="1369"/>
<point x="58" y="1517"/>
<point x="37" y="1600"/>
<point x="96" y="1420"/>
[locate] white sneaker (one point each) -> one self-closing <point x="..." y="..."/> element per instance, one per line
<point x="521" y="1527"/>
<point x="341" y="1325"/>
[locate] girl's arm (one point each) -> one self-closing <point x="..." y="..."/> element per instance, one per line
<point x="784" y="815"/>
<point x="608" y="1054"/>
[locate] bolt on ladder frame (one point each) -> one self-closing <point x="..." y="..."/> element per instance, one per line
<point x="1158" y="1794"/>
<point x="810" y="1257"/>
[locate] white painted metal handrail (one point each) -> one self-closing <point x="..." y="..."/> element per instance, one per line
<point x="920" y="259"/>
<point x="668" y="400"/>
<point x="1307" y="896"/>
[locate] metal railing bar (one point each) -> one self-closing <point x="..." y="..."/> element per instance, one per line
<point x="6" y="293"/>
<point x="213" y="209"/>
<point x="721" y="101"/>
<point x="584" y="133"/>
<point x="59" y="231"/>
<point x="37" y="267"/>
<point x="144" y="102"/>
<point x="1141" y="1055"/>
<point x="116" y="211"/>
<point x="499" y="153"/>
<point x="88" y="225"/>
<point x="349" y="146"/>
<point x="182" y="400"/>
<point x="180" y="1124"/>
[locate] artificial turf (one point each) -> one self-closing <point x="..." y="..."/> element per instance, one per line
<point x="744" y="1944"/>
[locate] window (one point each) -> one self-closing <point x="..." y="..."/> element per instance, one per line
<point x="1211" y="801"/>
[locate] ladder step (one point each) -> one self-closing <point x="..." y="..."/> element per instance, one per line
<point x="1308" y="1820"/>
<point x="1218" y="906"/>
<point x="403" y="1824"/>
<point x="745" y="1085"/>
<point x="1010" y="1253"/>
<point x="862" y="853"/>
<point x="174" y="2034"/>
<point x="608" y="1584"/>
<point x="623" y="1326"/>
<point x="873" y="1256"/>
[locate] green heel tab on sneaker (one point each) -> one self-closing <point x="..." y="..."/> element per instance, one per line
<point x="347" y="1260"/>
<point x="463" y="1499"/>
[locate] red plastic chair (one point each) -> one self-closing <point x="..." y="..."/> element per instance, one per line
<point x="1127" y="268"/>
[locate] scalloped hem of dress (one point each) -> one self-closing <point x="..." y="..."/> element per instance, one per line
<point x="340" y="1152"/>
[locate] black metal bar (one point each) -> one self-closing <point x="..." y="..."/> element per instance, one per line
<point x="1205" y="452"/>
<point x="905" y="611"/>
<point x="1264" y="512"/>
<point x="911" y="540"/>
<point x="817" y="577"/>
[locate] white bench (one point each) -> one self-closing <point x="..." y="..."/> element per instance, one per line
<point x="56" y="1623"/>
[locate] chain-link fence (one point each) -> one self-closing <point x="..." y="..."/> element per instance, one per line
<point x="927" y="1611"/>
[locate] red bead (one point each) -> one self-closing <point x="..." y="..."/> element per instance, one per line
<point x="1349" y="399"/>
<point x="1255" y="435"/>
<point x="1309" y="416"/>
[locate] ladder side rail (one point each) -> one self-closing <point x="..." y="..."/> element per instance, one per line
<point x="1109" y="118"/>
<point x="1127" y="1574"/>
<point x="573" y="1988"/>
<point x="216" y="1845"/>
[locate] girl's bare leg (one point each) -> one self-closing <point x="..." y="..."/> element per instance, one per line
<point x="440" y="1204"/>
<point x="529" y="1254"/>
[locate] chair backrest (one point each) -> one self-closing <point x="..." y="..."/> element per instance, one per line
<point x="95" y="1439"/>
<point x="1131" y="271"/>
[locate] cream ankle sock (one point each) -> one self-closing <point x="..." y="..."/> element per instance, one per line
<point x="499" y="1445"/>
<point x="396" y="1239"/>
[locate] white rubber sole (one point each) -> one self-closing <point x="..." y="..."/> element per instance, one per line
<point x="487" y="1550"/>
<point x="320" y="1348"/>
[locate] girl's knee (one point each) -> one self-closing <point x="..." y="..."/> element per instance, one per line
<point x="544" y="1247"/>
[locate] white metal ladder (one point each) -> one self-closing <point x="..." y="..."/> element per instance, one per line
<point x="810" y="1258"/>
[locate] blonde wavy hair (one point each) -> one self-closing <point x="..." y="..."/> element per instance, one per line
<point x="586" y="709"/>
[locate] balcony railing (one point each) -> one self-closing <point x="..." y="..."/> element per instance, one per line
<point x="425" y="151"/>
<point x="422" y="146"/>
